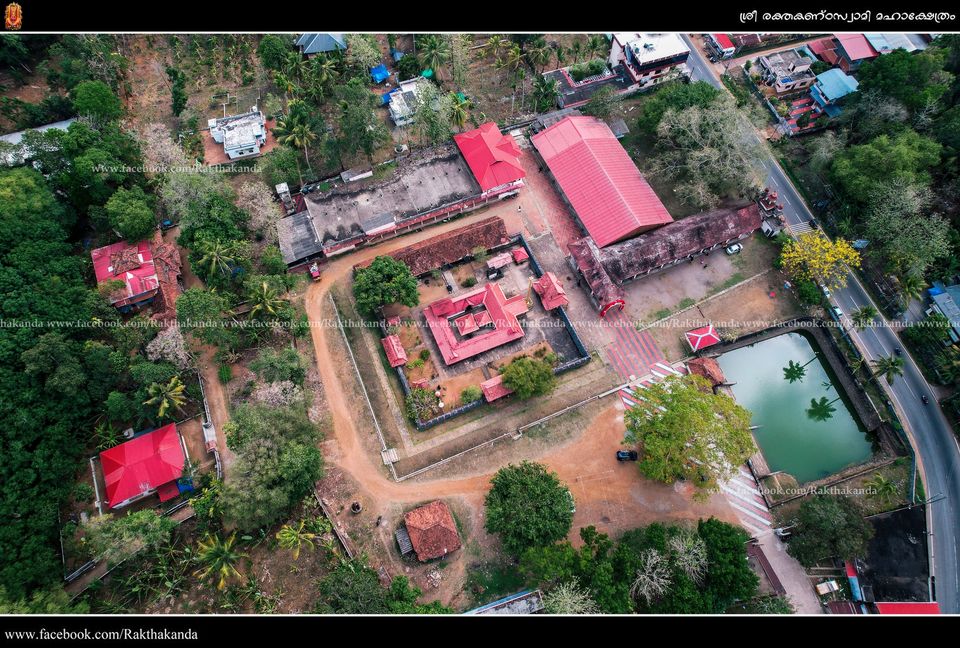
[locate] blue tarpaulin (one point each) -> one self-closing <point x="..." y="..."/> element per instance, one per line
<point x="379" y="73"/>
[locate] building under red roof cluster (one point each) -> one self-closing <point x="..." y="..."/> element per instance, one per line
<point x="551" y="291"/>
<point x="148" y="271"/>
<point x="610" y="197"/>
<point x="432" y="531"/>
<point x="150" y="462"/>
<point x="493" y="157"/>
<point x="474" y="322"/>
<point x="908" y="608"/>
<point x="396" y="355"/>
<point x="494" y="388"/>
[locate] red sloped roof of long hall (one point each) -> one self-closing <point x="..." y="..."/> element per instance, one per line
<point x="909" y="608"/>
<point x="141" y="464"/>
<point x="611" y="197"/>
<point x="493" y="158"/>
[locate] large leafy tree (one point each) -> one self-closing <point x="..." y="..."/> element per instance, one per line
<point x="97" y="100"/>
<point x="915" y="78"/>
<point x="385" y="281"/>
<point x="528" y="506"/>
<point x="529" y="377"/>
<point x="201" y="312"/>
<point x="277" y="463"/>
<point x="130" y="213"/>
<point x="814" y="257"/>
<point x="864" y="170"/>
<point x="674" y="95"/>
<point x="829" y="527"/>
<point x="683" y="430"/>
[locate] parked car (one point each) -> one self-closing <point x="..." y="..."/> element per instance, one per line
<point x="836" y="311"/>
<point x="573" y="505"/>
<point x="826" y="291"/>
<point x="736" y="248"/>
<point x="627" y="455"/>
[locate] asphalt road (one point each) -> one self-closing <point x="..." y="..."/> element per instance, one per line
<point x="932" y="437"/>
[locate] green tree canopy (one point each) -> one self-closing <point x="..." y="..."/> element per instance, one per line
<point x="683" y="430"/>
<point x="915" y="78"/>
<point x="130" y="214"/>
<point x="865" y="170"/>
<point x="96" y="99"/>
<point x="674" y="95"/>
<point x="116" y="539"/>
<point x="829" y="527"/>
<point x="528" y="506"/>
<point x="385" y="281"/>
<point x="529" y="377"/>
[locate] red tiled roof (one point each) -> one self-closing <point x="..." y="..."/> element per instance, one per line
<point x="432" y="531"/>
<point x="551" y="291"/>
<point x="609" y="195"/>
<point x="856" y="46"/>
<point x="493" y="158"/>
<point x="396" y="355"/>
<point x="142" y="464"/>
<point x="131" y="264"/>
<point x="908" y="608"/>
<point x="818" y="47"/>
<point x="494" y="388"/>
<point x="497" y="310"/>
<point x="519" y="254"/>
<point x="708" y="368"/>
<point x="702" y="337"/>
<point x="723" y="40"/>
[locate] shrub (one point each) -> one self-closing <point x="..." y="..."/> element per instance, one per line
<point x="83" y="492"/>
<point x="224" y="373"/>
<point x="469" y="282"/>
<point x="424" y="354"/>
<point x="471" y="394"/>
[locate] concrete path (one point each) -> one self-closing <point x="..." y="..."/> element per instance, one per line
<point x="791" y="574"/>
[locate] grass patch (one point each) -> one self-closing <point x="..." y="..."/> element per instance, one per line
<point x="686" y="302"/>
<point x="491" y="581"/>
<point x="728" y="283"/>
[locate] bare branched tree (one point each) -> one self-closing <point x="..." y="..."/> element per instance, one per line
<point x="689" y="554"/>
<point x="653" y="577"/>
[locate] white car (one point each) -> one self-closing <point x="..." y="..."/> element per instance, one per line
<point x="734" y="249"/>
<point x="826" y="292"/>
<point x="839" y="313"/>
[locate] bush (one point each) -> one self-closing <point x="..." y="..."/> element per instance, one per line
<point x="275" y="366"/>
<point x="471" y="394"/>
<point x="808" y="292"/>
<point x="224" y="373"/>
<point x="469" y="282"/>
<point x="83" y="492"/>
<point x="424" y="354"/>
<point x="421" y="404"/>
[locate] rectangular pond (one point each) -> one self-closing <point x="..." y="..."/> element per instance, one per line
<point x="809" y="443"/>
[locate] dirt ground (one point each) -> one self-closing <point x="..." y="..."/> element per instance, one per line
<point x="610" y="495"/>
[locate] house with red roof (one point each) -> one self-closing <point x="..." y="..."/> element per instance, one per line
<point x="494" y="158"/>
<point x="432" y="531"/>
<point x="852" y="50"/>
<point x="147" y="272"/>
<point x="722" y="45"/>
<point x="396" y="354"/>
<point x="552" y="294"/>
<point x="494" y="389"/>
<point x="147" y="464"/>
<point x="610" y="198"/>
<point x="474" y="322"/>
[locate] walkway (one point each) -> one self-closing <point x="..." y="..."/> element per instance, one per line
<point x="632" y="353"/>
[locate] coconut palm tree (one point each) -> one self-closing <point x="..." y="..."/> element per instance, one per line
<point x="324" y="69"/>
<point x="559" y="54"/>
<point x="496" y="44"/>
<point x="459" y="109"/>
<point x="795" y="371"/>
<point x="265" y="300"/>
<point x="434" y="52"/>
<point x="881" y="488"/>
<point x="538" y="53"/>
<point x="863" y="316"/>
<point x="545" y="93"/>
<point x="821" y="409"/>
<point x="216" y="256"/>
<point x="596" y="45"/>
<point x="285" y="83"/>
<point x="295" y="132"/>
<point x="911" y="286"/>
<point x="889" y="367"/>
<point x="163" y="396"/>
<point x="948" y="364"/>
<point x="294" y="538"/>
<point x="218" y="559"/>
<point x="577" y="50"/>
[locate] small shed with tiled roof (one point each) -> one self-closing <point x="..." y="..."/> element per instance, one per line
<point x="396" y="355"/>
<point x="432" y="530"/>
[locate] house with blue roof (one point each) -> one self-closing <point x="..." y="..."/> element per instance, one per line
<point x="830" y="88"/>
<point x="312" y="44"/>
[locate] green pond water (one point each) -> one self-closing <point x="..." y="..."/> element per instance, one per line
<point x="790" y="439"/>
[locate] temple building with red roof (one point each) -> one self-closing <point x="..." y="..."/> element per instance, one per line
<point x="703" y="337"/>
<point x="494" y="388"/>
<point x="494" y="158"/>
<point x="432" y="531"/>
<point x="552" y="294"/>
<point x="610" y="198"/>
<point x="147" y="464"/>
<point x="396" y="354"/>
<point x="474" y="322"/>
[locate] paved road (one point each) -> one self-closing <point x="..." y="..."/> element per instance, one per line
<point x="931" y="434"/>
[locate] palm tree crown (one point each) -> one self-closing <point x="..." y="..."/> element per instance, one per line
<point x="164" y="396"/>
